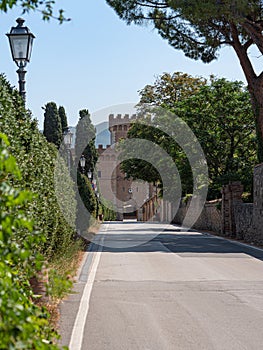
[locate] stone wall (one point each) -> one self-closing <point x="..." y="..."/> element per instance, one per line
<point x="257" y="224"/>
<point x="249" y="217"/>
<point x="210" y="218"/>
<point x="235" y="219"/>
<point x="231" y="197"/>
<point x="243" y="219"/>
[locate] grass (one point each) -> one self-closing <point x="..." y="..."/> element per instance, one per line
<point x="62" y="271"/>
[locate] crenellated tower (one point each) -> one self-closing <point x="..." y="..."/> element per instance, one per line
<point x="127" y="195"/>
<point x="119" y="126"/>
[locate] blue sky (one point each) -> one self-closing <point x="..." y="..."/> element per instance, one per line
<point x="96" y="60"/>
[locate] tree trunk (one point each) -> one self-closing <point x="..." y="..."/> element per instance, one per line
<point x="255" y="88"/>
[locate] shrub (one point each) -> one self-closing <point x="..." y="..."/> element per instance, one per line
<point x="36" y="159"/>
<point x="23" y="325"/>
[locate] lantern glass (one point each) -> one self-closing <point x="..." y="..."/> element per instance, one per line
<point x="21" y="42"/>
<point x="68" y="135"/>
<point x="89" y="174"/>
<point x="82" y="161"/>
<point x="19" y="46"/>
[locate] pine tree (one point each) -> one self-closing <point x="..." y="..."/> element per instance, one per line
<point x="201" y="28"/>
<point x="52" y="124"/>
<point x="63" y="118"/>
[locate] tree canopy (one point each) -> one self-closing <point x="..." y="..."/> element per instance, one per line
<point x="85" y="141"/>
<point x="52" y="124"/>
<point x="197" y="27"/>
<point x="63" y="118"/>
<point x="45" y="7"/>
<point x="220" y="115"/>
<point x="200" y="28"/>
<point x="85" y="144"/>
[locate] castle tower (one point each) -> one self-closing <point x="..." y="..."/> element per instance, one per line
<point x="119" y="126"/>
<point x="128" y="195"/>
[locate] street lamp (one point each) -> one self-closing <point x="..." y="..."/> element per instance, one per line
<point x="68" y="136"/>
<point x="97" y="199"/>
<point x="82" y="162"/>
<point x="90" y="174"/>
<point x="21" y="42"/>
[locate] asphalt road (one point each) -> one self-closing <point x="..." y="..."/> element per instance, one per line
<point x="171" y="290"/>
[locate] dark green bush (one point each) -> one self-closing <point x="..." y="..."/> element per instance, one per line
<point x="86" y="204"/>
<point x="36" y="159"/>
<point x="23" y="325"/>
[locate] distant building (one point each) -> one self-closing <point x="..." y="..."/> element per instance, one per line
<point x="127" y="196"/>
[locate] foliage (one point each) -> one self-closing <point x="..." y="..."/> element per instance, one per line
<point x="170" y="88"/>
<point x="85" y="144"/>
<point x="22" y="324"/>
<point x="58" y="285"/>
<point x="52" y="124"/>
<point x="45" y="7"/>
<point x="86" y="204"/>
<point x="108" y="212"/>
<point x="63" y="118"/>
<point x="85" y="141"/>
<point x="63" y="268"/>
<point x="220" y="115"/>
<point x="36" y="159"/>
<point x="197" y="27"/>
<point x="200" y="28"/>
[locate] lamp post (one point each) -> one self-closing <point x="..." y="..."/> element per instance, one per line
<point x="21" y="42"/>
<point x="68" y="136"/>
<point x="90" y="175"/>
<point x="97" y="200"/>
<point x="82" y="163"/>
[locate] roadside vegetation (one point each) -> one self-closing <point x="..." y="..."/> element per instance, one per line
<point x="220" y="115"/>
<point x="23" y="325"/>
<point x="34" y="235"/>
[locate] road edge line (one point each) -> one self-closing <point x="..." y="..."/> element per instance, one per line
<point x="79" y="324"/>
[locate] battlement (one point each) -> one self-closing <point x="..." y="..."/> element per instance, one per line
<point x="121" y="119"/>
<point x="101" y="147"/>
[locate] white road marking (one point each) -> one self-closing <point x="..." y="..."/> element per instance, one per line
<point x="79" y="325"/>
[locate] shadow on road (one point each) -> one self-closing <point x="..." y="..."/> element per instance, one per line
<point x="187" y="244"/>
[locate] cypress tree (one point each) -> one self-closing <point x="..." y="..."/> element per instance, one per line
<point x="52" y="124"/>
<point x="85" y="140"/>
<point x="63" y="118"/>
<point x="85" y="144"/>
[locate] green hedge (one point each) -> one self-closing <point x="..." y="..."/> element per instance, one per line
<point x="36" y="159"/>
<point x="86" y="204"/>
<point x="23" y="325"/>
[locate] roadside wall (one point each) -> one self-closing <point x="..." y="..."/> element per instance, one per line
<point x="229" y="216"/>
<point x="210" y="218"/>
<point x="243" y="219"/>
<point x="257" y="225"/>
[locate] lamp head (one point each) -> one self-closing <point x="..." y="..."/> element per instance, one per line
<point x="21" y="43"/>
